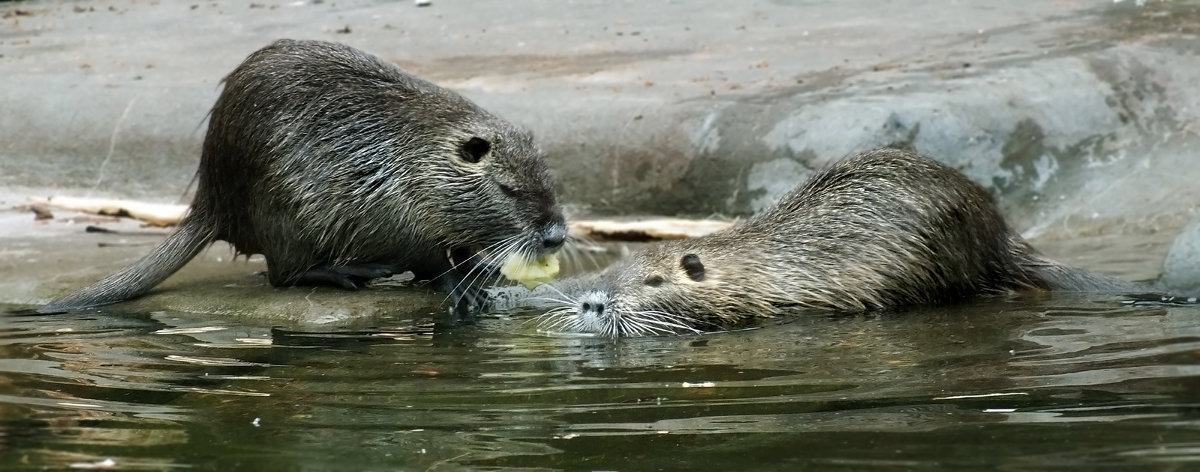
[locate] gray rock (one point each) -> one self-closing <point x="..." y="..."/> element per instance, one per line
<point x="1080" y="116"/>
<point x="1181" y="268"/>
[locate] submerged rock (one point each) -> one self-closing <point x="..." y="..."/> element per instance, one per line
<point x="1181" y="268"/>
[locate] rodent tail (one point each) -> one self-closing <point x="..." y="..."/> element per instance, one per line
<point x="1065" y="278"/>
<point x="1061" y="277"/>
<point x="192" y="235"/>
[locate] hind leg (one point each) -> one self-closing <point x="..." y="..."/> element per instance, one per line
<point x="349" y="277"/>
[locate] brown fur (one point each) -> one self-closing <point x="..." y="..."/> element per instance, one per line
<point x="881" y="229"/>
<point x="339" y="167"/>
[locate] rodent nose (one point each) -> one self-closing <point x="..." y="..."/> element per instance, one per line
<point x="554" y="236"/>
<point x="594" y="308"/>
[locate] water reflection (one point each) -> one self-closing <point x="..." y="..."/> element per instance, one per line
<point x="1031" y="383"/>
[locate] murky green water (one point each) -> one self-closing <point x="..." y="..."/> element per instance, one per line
<point x="1063" y="382"/>
<point x="1019" y="384"/>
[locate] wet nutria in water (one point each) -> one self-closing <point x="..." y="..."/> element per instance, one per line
<point x="340" y="168"/>
<point x="885" y="228"/>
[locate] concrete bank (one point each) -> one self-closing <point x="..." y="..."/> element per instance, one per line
<point x="1081" y="116"/>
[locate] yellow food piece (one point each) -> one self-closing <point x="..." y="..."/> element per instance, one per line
<point x="530" y="272"/>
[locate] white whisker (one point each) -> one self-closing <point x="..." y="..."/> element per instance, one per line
<point x="482" y="268"/>
<point x="581" y="246"/>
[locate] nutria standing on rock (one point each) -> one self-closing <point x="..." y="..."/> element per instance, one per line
<point x="340" y="168"/>
<point x="881" y="229"/>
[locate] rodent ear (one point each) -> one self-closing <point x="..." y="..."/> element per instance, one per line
<point x="475" y="148"/>
<point x="692" y="265"/>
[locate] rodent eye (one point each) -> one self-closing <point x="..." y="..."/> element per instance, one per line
<point x="692" y="266"/>
<point x="654" y="280"/>
<point x="475" y="149"/>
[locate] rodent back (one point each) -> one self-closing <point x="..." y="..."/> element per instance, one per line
<point x="336" y="135"/>
<point x="879" y="229"/>
<point x="896" y="215"/>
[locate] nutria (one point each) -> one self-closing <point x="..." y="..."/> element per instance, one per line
<point x="885" y="228"/>
<point x="339" y="167"/>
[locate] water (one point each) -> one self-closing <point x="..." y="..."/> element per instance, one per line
<point x="1028" y="383"/>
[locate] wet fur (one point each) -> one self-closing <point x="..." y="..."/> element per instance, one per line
<point x="881" y="229"/>
<point x="339" y="167"/>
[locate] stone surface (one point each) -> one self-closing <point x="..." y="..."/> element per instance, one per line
<point x="1181" y="268"/>
<point x="1080" y="116"/>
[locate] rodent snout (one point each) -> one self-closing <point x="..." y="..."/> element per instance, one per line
<point x="593" y="308"/>
<point x="554" y="236"/>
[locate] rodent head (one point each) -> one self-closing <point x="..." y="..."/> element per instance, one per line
<point x="669" y="288"/>
<point x="500" y="196"/>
